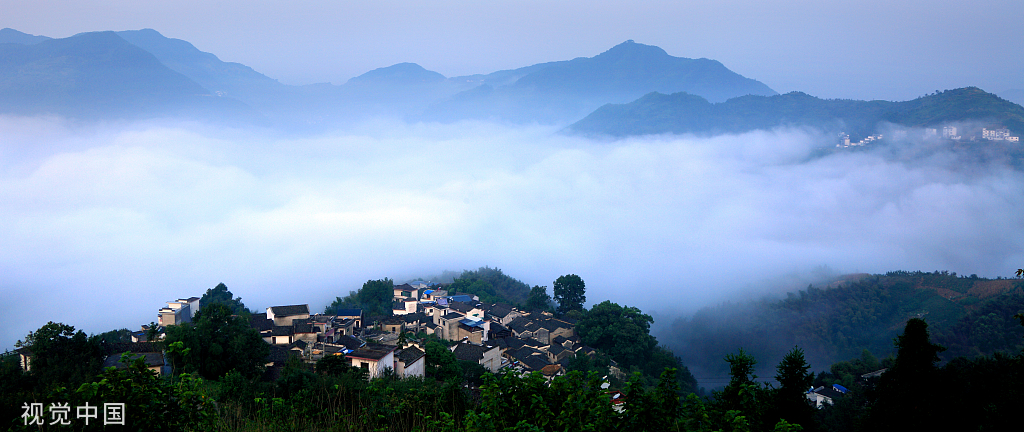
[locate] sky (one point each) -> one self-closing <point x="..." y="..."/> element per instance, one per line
<point x="867" y="49"/>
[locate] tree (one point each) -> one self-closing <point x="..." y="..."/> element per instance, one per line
<point x="914" y="371"/>
<point x="570" y="293"/>
<point x="441" y="363"/>
<point x="220" y="294"/>
<point x="622" y="332"/>
<point x="62" y="356"/>
<point x="216" y="343"/>
<point x="538" y="299"/>
<point x="374" y="298"/>
<point x="794" y="381"/>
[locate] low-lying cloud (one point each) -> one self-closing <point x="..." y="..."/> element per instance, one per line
<point x="104" y="223"/>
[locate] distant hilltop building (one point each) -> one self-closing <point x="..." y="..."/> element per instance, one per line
<point x="998" y="133"/>
<point x="844" y="140"/>
<point x="949" y="132"/>
<point x="178" y="312"/>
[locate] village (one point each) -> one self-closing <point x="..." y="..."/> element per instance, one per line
<point x="496" y="336"/>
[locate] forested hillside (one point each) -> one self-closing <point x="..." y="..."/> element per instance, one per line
<point x="968" y="315"/>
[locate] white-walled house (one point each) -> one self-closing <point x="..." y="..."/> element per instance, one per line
<point x="373" y="359"/>
<point x="284" y="315"/>
<point x="178" y="311"/>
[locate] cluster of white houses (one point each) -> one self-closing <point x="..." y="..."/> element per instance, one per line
<point x="494" y="335"/>
<point x="988" y="133"/>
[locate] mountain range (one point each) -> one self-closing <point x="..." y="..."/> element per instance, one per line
<point x="657" y="113"/>
<point x="629" y="89"/>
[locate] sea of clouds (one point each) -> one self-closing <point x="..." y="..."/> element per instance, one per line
<point x="100" y="224"/>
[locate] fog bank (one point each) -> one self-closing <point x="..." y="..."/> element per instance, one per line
<point x="104" y="223"/>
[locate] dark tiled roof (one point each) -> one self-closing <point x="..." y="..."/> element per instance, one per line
<point x="413" y="317"/>
<point x="410" y="355"/>
<point x="132" y="347"/>
<point x="300" y="344"/>
<point x="555" y="349"/>
<point x="453" y="315"/>
<point x="535" y="362"/>
<point x="533" y="342"/>
<point x="559" y="340"/>
<point x="519" y="324"/>
<point x="151" y="359"/>
<point x="260" y="322"/>
<point x="500" y="310"/>
<point x="372" y="352"/>
<point x="460" y="306"/>
<point x="470" y="352"/>
<point x="282" y="331"/>
<point x="303" y="328"/>
<point x="284" y="311"/>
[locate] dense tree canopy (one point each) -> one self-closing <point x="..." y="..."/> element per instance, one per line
<point x="570" y="293"/>
<point x="61" y="355"/>
<point x="622" y="332"/>
<point x="539" y="298"/>
<point x="220" y="294"/>
<point x="374" y="298"/>
<point x="215" y="343"/>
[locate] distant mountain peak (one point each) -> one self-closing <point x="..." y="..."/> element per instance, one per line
<point x="9" y="35"/>
<point x="404" y="73"/>
<point x="632" y="50"/>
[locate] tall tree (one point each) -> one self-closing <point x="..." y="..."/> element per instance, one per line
<point x="622" y="332"/>
<point x="221" y="294"/>
<point x="570" y="293"/>
<point x="538" y="299"/>
<point x="794" y="380"/>
<point x="215" y="343"/>
<point x="906" y="393"/>
<point x="374" y="298"/>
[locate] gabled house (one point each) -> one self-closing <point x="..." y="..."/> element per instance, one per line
<point x="822" y="395"/>
<point x="487" y="356"/>
<point x="356" y="315"/>
<point x="410" y="362"/>
<point x="284" y="315"/>
<point x="373" y="359"/>
<point x="178" y="312"/>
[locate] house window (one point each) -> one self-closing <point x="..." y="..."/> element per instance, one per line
<point x="364" y="365"/>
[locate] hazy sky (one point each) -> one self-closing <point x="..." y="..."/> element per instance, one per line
<point x="866" y="49"/>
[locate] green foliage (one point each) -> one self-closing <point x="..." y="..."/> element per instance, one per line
<point x="440" y="362"/>
<point x="61" y="356"/>
<point x="570" y="293"/>
<point x="622" y="332"/>
<point x="220" y="294"/>
<point x="215" y="343"/>
<point x="491" y="285"/>
<point x="115" y="336"/>
<point x="838" y="323"/>
<point x="795" y="378"/>
<point x="374" y="298"/>
<point x="539" y="298"/>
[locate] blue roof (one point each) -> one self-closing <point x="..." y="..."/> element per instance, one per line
<point x="471" y="323"/>
<point x="840" y="388"/>
<point x="462" y="298"/>
<point x="427" y="292"/>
